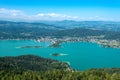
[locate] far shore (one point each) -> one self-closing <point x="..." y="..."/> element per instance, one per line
<point x="56" y="42"/>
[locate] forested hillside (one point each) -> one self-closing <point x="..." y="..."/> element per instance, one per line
<point x="29" y="67"/>
<point x="30" y="62"/>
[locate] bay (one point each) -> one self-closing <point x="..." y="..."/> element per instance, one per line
<point x="80" y="55"/>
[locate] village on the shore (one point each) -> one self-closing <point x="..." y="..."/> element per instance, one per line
<point x="56" y="42"/>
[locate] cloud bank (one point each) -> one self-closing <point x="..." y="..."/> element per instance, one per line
<point x="18" y="15"/>
<point x="11" y="14"/>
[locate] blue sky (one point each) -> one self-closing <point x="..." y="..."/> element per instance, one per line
<point x="106" y="10"/>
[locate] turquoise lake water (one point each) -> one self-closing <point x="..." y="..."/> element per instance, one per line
<point x="80" y="55"/>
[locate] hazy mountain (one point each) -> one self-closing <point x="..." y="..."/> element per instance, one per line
<point x="104" y="25"/>
<point x="66" y="24"/>
<point x="27" y="24"/>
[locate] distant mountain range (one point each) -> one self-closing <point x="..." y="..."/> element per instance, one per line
<point x="35" y="30"/>
<point x="100" y="25"/>
<point x="67" y="24"/>
<point x="27" y="24"/>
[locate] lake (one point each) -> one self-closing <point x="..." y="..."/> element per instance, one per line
<point x="80" y="55"/>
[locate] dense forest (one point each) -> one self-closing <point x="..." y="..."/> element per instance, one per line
<point x="21" y="30"/>
<point x="30" y="67"/>
<point x="61" y="75"/>
<point x="31" y="62"/>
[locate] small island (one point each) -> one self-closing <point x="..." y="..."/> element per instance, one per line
<point x="32" y="47"/>
<point x="58" y="54"/>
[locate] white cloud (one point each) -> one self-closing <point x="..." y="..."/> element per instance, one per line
<point x="48" y="15"/>
<point x="97" y="18"/>
<point x="55" y="16"/>
<point x="12" y="14"/>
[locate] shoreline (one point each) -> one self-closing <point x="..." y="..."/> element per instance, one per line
<point x="56" y="42"/>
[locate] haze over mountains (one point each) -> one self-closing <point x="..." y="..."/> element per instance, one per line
<point x="107" y="25"/>
<point x="34" y="30"/>
<point x="67" y="24"/>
